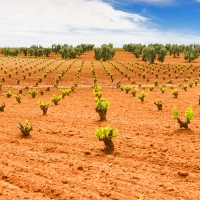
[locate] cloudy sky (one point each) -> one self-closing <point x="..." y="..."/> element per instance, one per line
<point x="47" y="22"/>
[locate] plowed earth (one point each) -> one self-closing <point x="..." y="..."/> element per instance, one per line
<point x="62" y="159"/>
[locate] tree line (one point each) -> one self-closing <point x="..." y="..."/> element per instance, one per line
<point x="148" y="53"/>
<point x="66" y="51"/>
<point x="157" y="51"/>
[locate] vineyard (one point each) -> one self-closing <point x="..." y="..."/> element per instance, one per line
<point x="153" y="158"/>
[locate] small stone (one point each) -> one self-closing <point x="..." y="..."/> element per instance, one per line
<point x="183" y="173"/>
<point x="170" y="189"/>
<point x="87" y="153"/>
<point x="164" y="150"/>
<point x="36" y="189"/>
<point x="80" y="168"/>
<point x="110" y="165"/>
<point x="64" y="181"/>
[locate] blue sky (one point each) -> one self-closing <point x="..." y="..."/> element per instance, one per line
<point x="45" y="22"/>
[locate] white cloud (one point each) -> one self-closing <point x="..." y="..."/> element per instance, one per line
<point x="152" y="2"/>
<point x="46" y="22"/>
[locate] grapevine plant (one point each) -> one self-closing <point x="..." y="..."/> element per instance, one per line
<point x="163" y="89"/>
<point x="55" y="99"/>
<point x="142" y="95"/>
<point x="17" y="97"/>
<point x="44" y="106"/>
<point x="101" y="107"/>
<point x="127" y="89"/>
<point x="158" y="103"/>
<point x="134" y="91"/>
<point x="9" y="94"/>
<point x="25" y="129"/>
<point x="2" y="107"/>
<point x="175" y="93"/>
<point x="189" y="116"/>
<point x="106" y="134"/>
<point x="97" y="91"/>
<point x="32" y="93"/>
<point x="65" y="92"/>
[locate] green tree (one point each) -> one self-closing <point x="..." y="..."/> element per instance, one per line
<point x="149" y="54"/>
<point x="56" y="48"/>
<point x="31" y="51"/>
<point x="168" y="46"/>
<point x="162" y="54"/>
<point x="106" y="52"/>
<point x="174" y="50"/>
<point x="97" y="53"/>
<point x="24" y="50"/>
<point x="191" y="54"/>
<point x="79" y="50"/>
<point x="47" y="51"/>
<point x="10" y="52"/>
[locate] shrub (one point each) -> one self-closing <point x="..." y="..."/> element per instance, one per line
<point x="142" y="95"/>
<point x="151" y="87"/>
<point x="102" y="103"/>
<point x="127" y="89"/>
<point x="106" y="134"/>
<point x="175" y="92"/>
<point x="17" y="97"/>
<point x="2" y="107"/>
<point x="20" y="91"/>
<point x="25" y="129"/>
<point x="189" y="116"/>
<point x="44" y="106"/>
<point x="101" y="107"/>
<point x="185" y="87"/>
<point x="39" y="79"/>
<point x="32" y="92"/>
<point x="41" y="92"/>
<point x="190" y="84"/>
<point x="65" y="92"/>
<point x="163" y="89"/>
<point x="9" y="94"/>
<point x="48" y="89"/>
<point x="55" y="99"/>
<point x="175" y="113"/>
<point x="134" y="91"/>
<point x="97" y="91"/>
<point x="158" y="103"/>
<point x="156" y="83"/>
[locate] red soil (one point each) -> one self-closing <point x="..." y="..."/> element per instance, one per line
<point x="62" y="159"/>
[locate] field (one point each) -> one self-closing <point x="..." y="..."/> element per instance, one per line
<point x="62" y="158"/>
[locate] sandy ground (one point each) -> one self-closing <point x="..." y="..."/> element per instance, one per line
<point x="62" y="159"/>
